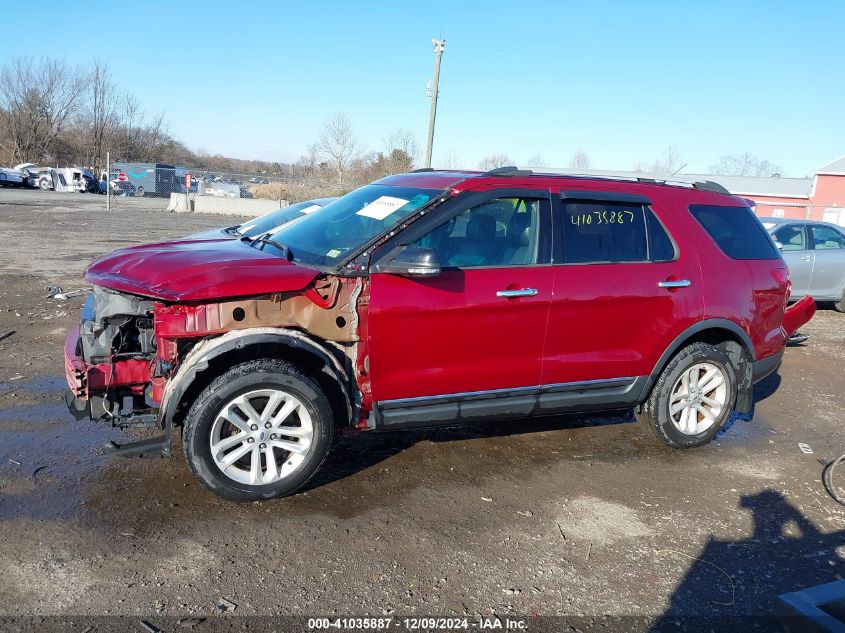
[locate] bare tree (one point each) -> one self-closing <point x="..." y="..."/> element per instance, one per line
<point x="402" y="150"/>
<point x="746" y="164"/>
<point x="580" y="160"/>
<point x="536" y="161"/>
<point x="493" y="161"/>
<point x="100" y="112"/>
<point x="449" y="161"/>
<point x="137" y="138"/>
<point x="37" y="99"/>
<point x="669" y="163"/>
<point x="337" y="143"/>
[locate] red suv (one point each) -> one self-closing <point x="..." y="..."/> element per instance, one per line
<point x="434" y="298"/>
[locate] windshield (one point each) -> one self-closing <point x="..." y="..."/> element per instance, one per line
<point x="350" y="222"/>
<point x="274" y="219"/>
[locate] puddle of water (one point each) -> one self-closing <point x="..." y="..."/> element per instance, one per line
<point x="36" y="413"/>
<point x="368" y="472"/>
<point x="44" y="453"/>
<point x="38" y="384"/>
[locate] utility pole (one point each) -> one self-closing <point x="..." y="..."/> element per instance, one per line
<point x="439" y="45"/>
<point x="108" y="181"/>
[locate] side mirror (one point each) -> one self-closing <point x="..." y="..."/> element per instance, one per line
<point x="412" y="261"/>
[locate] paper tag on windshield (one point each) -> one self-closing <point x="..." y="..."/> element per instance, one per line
<point x="382" y="207"/>
<point x="310" y="209"/>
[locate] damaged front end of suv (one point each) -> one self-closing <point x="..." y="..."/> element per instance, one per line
<point x="137" y="361"/>
<point x="108" y="359"/>
<point x="251" y="344"/>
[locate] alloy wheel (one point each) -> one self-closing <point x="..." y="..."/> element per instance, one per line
<point x="698" y="398"/>
<point x="261" y="437"/>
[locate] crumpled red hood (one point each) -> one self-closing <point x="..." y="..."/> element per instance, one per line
<point x="197" y="270"/>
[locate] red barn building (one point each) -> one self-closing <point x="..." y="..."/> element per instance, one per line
<point x="821" y="197"/>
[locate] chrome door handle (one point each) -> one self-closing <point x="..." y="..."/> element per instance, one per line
<point x="806" y="258"/>
<point x="524" y="292"/>
<point x="679" y="283"/>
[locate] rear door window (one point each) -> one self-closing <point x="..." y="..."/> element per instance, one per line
<point x="736" y="230"/>
<point x="612" y="232"/>
<point x="825" y="238"/>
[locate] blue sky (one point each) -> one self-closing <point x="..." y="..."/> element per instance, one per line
<point x="620" y="80"/>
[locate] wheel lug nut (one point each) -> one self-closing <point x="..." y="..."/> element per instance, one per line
<point x="262" y="445"/>
<point x="250" y="440"/>
<point x="267" y="425"/>
<point x="254" y="427"/>
<point x="273" y="436"/>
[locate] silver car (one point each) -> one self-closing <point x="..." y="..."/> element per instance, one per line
<point x="815" y="254"/>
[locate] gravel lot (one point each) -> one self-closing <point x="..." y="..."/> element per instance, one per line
<point x="566" y="515"/>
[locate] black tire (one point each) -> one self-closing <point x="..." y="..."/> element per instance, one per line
<point x="139" y="192"/>
<point x="654" y="413"/>
<point x="240" y="379"/>
<point x="839" y="306"/>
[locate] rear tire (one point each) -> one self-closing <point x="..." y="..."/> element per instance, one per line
<point x="260" y="430"/>
<point x="839" y="306"/>
<point x="692" y="398"/>
<point x="139" y="192"/>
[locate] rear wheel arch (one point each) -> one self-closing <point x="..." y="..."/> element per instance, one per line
<point x="212" y="357"/>
<point x="729" y="338"/>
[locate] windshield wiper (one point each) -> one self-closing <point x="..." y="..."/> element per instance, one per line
<point x="233" y="230"/>
<point x="266" y="239"/>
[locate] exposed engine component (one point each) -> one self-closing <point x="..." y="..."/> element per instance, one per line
<point x="116" y="325"/>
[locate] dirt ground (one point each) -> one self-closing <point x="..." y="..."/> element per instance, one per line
<point x="567" y="515"/>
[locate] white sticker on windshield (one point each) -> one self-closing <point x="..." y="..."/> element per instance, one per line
<point x="310" y="209"/>
<point x="382" y="207"/>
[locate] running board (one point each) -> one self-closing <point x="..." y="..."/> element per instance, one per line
<point x="152" y="447"/>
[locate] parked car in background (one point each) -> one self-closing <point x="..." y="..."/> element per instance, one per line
<point x="815" y="254"/>
<point x="88" y="183"/>
<point x="266" y="223"/>
<point x="434" y="298"/>
<point x="122" y="188"/>
<point x="31" y="173"/>
<point x="44" y="180"/>
<point x="11" y="177"/>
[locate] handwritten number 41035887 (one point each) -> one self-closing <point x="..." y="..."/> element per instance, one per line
<point x="603" y="217"/>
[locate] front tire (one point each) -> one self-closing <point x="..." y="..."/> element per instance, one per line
<point x="692" y="398"/>
<point x="260" y="430"/>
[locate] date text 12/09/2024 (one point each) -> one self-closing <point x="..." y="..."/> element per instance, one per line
<point x="416" y="623"/>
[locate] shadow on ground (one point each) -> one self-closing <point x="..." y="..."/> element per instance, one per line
<point x="733" y="585"/>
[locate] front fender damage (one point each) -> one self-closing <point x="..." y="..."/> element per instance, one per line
<point x="322" y="321"/>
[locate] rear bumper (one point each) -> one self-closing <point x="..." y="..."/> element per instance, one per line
<point x="798" y="314"/>
<point x="765" y="366"/>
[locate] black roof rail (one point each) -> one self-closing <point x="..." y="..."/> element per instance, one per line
<point x="421" y="169"/>
<point x="709" y="185"/>
<point x="510" y="170"/>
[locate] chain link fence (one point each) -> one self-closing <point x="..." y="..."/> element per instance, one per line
<point x="186" y="188"/>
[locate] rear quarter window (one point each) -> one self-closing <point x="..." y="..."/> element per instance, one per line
<point x="736" y="230"/>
